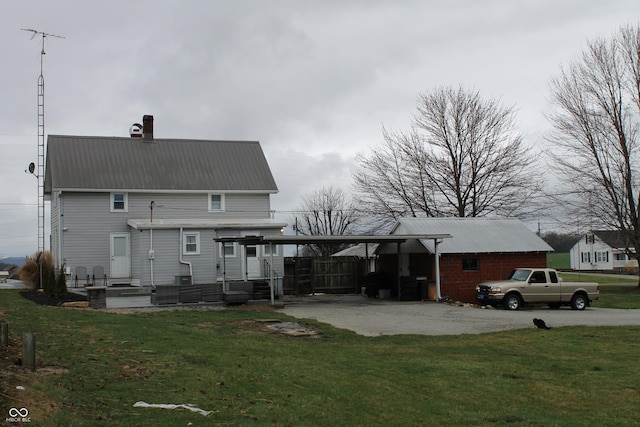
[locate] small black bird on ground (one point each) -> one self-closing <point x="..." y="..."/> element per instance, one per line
<point x="540" y="324"/>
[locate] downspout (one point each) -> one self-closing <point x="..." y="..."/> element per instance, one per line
<point x="183" y="261"/>
<point x="60" y="228"/>
<point x="224" y="266"/>
<point x="151" y="255"/>
<point x="151" y="252"/>
<point x="437" y="255"/>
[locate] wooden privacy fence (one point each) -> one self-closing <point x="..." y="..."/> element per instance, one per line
<point x="335" y="275"/>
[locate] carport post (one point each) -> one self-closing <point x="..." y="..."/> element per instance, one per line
<point x="366" y="257"/>
<point x="224" y="266"/>
<point x="271" y="273"/>
<point x="399" y="272"/>
<point x="437" y="255"/>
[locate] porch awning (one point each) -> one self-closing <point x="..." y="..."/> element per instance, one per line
<point x="304" y="240"/>
<point x="307" y="240"/>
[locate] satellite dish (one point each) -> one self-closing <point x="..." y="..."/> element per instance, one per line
<point x="32" y="167"/>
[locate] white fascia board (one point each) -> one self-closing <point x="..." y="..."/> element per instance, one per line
<point x="140" y="224"/>
<point x="142" y="190"/>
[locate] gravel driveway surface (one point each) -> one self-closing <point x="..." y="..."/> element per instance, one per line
<point x="373" y="317"/>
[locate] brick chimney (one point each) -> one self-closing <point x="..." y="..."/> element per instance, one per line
<point x="147" y="127"/>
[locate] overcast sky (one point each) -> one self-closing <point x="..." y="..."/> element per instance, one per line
<point x="313" y="81"/>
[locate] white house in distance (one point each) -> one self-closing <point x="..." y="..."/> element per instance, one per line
<point x="146" y="210"/>
<point x="602" y="250"/>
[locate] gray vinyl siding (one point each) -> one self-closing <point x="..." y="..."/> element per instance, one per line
<point x="196" y="206"/>
<point x="166" y="263"/>
<point x="56" y="229"/>
<point x="137" y="255"/>
<point x="90" y="222"/>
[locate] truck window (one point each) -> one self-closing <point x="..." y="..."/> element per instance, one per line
<point x="538" y="277"/>
<point x="553" y="276"/>
<point x="519" y="274"/>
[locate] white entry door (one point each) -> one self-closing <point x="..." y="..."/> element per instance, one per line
<point x="252" y="262"/>
<point x="120" y="256"/>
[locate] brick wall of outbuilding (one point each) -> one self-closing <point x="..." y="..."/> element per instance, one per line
<point x="458" y="284"/>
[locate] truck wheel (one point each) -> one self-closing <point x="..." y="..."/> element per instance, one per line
<point x="579" y="301"/>
<point x="512" y="302"/>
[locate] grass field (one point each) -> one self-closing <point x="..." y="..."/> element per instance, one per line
<point x="93" y="367"/>
<point x="559" y="261"/>
<point x="615" y="291"/>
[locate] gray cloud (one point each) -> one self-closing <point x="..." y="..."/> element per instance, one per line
<point x="314" y="82"/>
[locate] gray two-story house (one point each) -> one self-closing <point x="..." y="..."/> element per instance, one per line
<point x="147" y="210"/>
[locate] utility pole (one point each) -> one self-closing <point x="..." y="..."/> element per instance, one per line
<point x="38" y="172"/>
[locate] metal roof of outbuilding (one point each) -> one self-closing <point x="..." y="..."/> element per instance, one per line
<point x="475" y="235"/>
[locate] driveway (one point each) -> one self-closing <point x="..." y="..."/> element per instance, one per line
<point x="373" y="317"/>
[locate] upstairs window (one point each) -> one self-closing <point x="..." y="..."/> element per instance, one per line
<point x="119" y="202"/>
<point x="216" y="202"/>
<point x="191" y="243"/>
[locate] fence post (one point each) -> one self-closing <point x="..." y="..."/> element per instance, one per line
<point x="4" y="334"/>
<point x="29" y="350"/>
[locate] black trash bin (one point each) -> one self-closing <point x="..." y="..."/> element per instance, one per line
<point x="408" y="288"/>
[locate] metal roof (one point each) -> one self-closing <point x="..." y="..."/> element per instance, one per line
<point x="303" y="240"/>
<point x="475" y="235"/>
<point x="77" y="163"/>
<point x="361" y="250"/>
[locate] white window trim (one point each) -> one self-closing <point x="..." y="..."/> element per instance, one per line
<point x="222" y="202"/>
<point x="112" y="201"/>
<point x="221" y="249"/>
<point x="184" y="243"/>
<point x="265" y="249"/>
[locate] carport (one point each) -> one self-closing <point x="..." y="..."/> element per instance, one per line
<point x="357" y="239"/>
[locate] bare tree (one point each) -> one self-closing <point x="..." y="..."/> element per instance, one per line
<point x="595" y="132"/>
<point x="462" y="157"/>
<point x="325" y="212"/>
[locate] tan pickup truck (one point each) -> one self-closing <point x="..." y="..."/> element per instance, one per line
<point x="537" y="286"/>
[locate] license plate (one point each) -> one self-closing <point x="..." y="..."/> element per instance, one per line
<point x="480" y="296"/>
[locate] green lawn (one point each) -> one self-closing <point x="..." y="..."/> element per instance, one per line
<point x="219" y="361"/>
<point x="619" y="297"/>
<point x="605" y="279"/>
<point x="559" y="261"/>
<point x="615" y="292"/>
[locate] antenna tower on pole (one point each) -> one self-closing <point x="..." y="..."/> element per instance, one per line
<point x="39" y="172"/>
